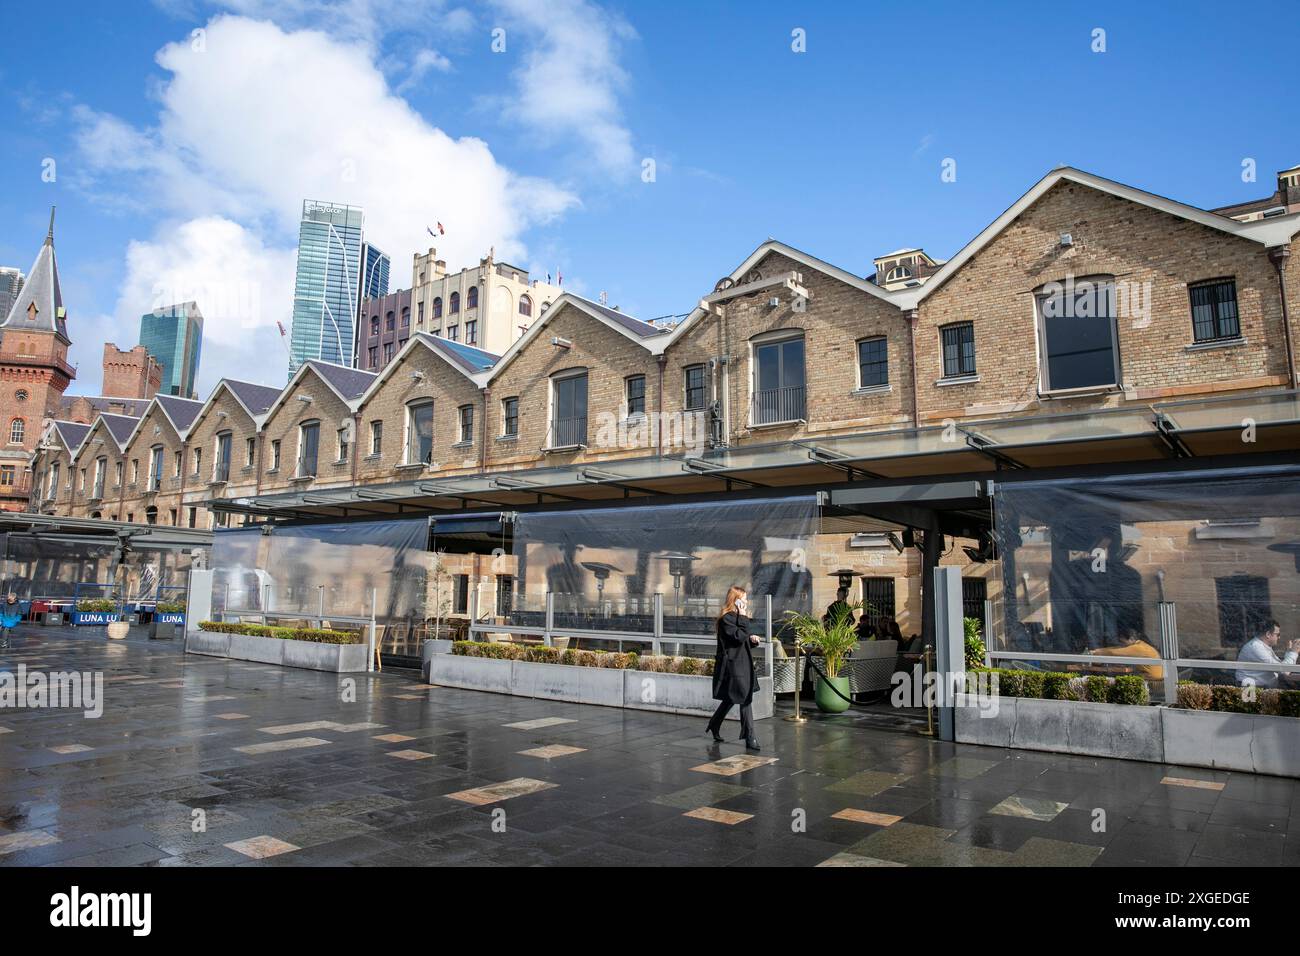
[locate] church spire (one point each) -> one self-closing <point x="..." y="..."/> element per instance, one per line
<point x="39" y="306"/>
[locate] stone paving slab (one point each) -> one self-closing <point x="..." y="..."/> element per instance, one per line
<point x="280" y="771"/>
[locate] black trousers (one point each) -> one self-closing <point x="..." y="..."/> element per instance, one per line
<point x="746" y="718"/>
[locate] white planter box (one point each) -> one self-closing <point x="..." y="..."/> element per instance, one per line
<point x="606" y="687"/>
<point x="1255" y="743"/>
<point x="336" y="658"/>
<point x="1191" y="738"/>
<point x="1125" y="731"/>
<point x="685" y="694"/>
<point x="568" y="682"/>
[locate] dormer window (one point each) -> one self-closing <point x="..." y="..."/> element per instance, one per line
<point x="898" y="274"/>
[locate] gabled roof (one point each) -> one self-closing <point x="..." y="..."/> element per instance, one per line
<point x="181" y="412"/>
<point x="348" y="384"/>
<point x="39" y="305"/>
<point x="642" y="333"/>
<point x="255" y="400"/>
<point x="473" y="363"/>
<point x="119" y="427"/>
<point x="790" y="252"/>
<point x="1267" y="232"/>
<point x="72" y="434"/>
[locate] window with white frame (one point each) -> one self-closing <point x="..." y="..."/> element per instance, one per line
<point x="1077" y="334"/>
<point x="569" y="410"/>
<point x="376" y="437"/>
<point x="465" y="416"/>
<point x="779" y="380"/>
<point x="308" y="449"/>
<point x="419" y="433"/>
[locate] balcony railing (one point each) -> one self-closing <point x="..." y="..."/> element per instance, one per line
<point x="306" y="468"/>
<point x="222" y="472"/>
<point x="786" y="404"/>
<point x="567" y="432"/>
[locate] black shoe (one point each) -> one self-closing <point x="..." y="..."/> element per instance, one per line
<point x="717" y="737"/>
<point x="751" y="743"/>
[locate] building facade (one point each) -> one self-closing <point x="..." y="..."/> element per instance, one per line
<point x="1085" y="300"/>
<point x="327" y="284"/>
<point x="131" y="374"/>
<point x="173" y="335"/>
<point x="11" y="283"/>
<point x="34" y="372"/>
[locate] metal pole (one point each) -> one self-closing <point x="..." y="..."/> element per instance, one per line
<point x="929" y="708"/>
<point x="370" y="657"/>
<point x="658" y="624"/>
<point x="320" y="588"/>
<point x="771" y="674"/>
<point x="473" y="611"/>
<point x="550" y="618"/>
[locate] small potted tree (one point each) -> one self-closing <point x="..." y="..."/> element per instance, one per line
<point x="834" y="638"/>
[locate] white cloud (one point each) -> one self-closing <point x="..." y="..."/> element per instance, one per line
<point x="423" y="61"/>
<point x="261" y="119"/>
<point x="242" y="287"/>
<point x="569" y="83"/>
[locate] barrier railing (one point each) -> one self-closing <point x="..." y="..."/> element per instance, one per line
<point x="319" y="619"/>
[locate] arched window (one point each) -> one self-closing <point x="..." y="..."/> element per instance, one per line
<point x="525" y="305"/>
<point x="898" y="273"/>
<point x="390" y="322"/>
<point x="17" y="429"/>
<point x="406" y="316"/>
<point x="453" y="305"/>
<point x="20" y="395"/>
<point x="374" y="325"/>
<point x="471" y="297"/>
<point x="437" y="307"/>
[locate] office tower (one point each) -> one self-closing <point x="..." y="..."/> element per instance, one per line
<point x="173" y="335"/>
<point x="327" y="284"/>
<point x="374" y="277"/>
<point x="11" y="283"/>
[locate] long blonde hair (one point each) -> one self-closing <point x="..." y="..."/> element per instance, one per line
<point x="734" y="594"/>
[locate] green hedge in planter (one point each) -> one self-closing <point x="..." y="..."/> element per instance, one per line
<point x="1228" y="699"/>
<point x="1055" y="685"/>
<point x="96" y="604"/>
<point x="667" y="664"/>
<point x="309" y="634"/>
<point x="170" y="607"/>
<point x="541" y="654"/>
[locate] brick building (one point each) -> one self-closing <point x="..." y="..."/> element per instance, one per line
<point x="1083" y="310"/>
<point x="34" y="371"/>
<point x="130" y="373"/>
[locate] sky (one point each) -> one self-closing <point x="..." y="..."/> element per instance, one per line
<point x="641" y="149"/>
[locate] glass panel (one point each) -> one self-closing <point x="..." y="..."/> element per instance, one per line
<point x="419" y="441"/>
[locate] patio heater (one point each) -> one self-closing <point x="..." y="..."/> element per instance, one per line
<point x="601" y="572"/>
<point x="679" y="565"/>
<point x="1288" y="547"/>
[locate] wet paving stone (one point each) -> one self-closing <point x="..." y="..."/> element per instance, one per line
<point x="206" y="762"/>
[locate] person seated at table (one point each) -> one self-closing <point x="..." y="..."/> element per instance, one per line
<point x="867" y="629"/>
<point x="1133" y="644"/>
<point x="839" y="608"/>
<point x="890" y="631"/>
<point x="1261" y="649"/>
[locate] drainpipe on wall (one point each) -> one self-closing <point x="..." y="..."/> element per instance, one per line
<point x="913" y="316"/>
<point x="180" y="495"/>
<point x="662" y="361"/>
<point x="1278" y="256"/>
<point x="483" y="429"/>
<point x="356" y="443"/>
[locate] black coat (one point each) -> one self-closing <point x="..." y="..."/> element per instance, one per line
<point x="733" y="666"/>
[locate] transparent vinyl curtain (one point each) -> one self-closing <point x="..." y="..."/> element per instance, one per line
<point x="62" y="566"/>
<point x="327" y="569"/>
<point x="1091" y="564"/>
<point x="605" y="565"/>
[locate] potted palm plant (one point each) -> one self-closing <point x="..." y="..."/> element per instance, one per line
<point x="834" y="638"/>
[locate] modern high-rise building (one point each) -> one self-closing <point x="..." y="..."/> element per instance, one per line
<point x="11" y="283"/>
<point x="173" y="335"/>
<point x="374" y="276"/>
<point x="327" y="284"/>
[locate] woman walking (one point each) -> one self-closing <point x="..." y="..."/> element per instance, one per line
<point x="733" y="667"/>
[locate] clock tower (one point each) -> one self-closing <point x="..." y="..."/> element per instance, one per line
<point x="34" y="372"/>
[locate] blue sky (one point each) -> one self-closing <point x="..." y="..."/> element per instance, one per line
<point x="184" y="169"/>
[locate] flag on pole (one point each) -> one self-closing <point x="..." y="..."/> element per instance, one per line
<point x="441" y="231"/>
<point x="559" y="278"/>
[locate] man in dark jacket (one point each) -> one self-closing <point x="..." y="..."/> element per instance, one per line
<point x="734" y="681"/>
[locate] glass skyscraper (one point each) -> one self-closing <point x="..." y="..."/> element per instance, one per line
<point x="374" y="278"/>
<point x="173" y="335"/>
<point x="327" y="284"/>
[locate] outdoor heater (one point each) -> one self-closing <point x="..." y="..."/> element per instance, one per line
<point x="679" y="565"/>
<point x="845" y="576"/>
<point x="601" y="572"/>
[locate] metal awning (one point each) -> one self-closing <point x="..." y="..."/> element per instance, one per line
<point x="60" y="528"/>
<point x="1233" y="425"/>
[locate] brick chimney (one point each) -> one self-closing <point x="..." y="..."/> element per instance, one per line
<point x="132" y="373"/>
